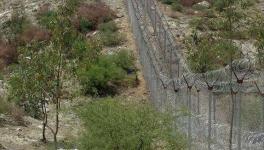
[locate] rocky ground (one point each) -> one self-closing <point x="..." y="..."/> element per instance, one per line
<point x="16" y="137"/>
<point x="179" y="24"/>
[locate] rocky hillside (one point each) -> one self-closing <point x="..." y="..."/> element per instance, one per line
<point x="28" y="136"/>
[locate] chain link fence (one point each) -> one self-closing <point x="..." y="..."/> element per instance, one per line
<point x="221" y="109"/>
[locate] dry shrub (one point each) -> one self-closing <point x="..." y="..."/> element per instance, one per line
<point x="8" y="54"/>
<point x="95" y="13"/>
<point x="17" y="114"/>
<point x="43" y="9"/>
<point x="35" y="34"/>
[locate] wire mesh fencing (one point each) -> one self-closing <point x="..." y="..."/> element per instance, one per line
<point x="220" y="109"/>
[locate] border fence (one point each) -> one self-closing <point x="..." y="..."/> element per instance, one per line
<point x="217" y="110"/>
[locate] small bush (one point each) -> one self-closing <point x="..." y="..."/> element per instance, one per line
<point x="198" y="23"/>
<point x="86" y="26"/>
<point x="210" y="13"/>
<point x="125" y="60"/>
<point x="177" y="7"/>
<point x="47" y="19"/>
<point x="109" y="38"/>
<point x="219" y="4"/>
<point x="34" y="34"/>
<point x="95" y="14"/>
<point x="3" y="106"/>
<point x="109" y="35"/>
<point x="11" y="109"/>
<point x="17" y="114"/>
<point x="108" y="27"/>
<point x="84" y="50"/>
<point x="206" y="54"/>
<point x="101" y="78"/>
<point x="216" y="24"/>
<point x="111" y="124"/>
<point x="8" y="53"/>
<point x="106" y="75"/>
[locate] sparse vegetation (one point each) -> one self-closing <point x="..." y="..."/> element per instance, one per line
<point x="82" y="43"/>
<point x="109" y="34"/>
<point x="127" y="126"/>
<point x="3" y="106"/>
<point x="207" y="54"/>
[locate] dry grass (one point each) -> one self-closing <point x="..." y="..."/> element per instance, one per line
<point x="8" y="54"/>
<point x="96" y="14"/>
<point x="44" y="8"/>
<point x="35" y="34"/>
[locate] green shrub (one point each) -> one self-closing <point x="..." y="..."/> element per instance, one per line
<point x="110" y="38"/>
<point x="102" y="77"/>
<point x="206" y="54"/>
<point x="198" y="23"/>
<point x="216" y="24"/>
<point x="177" y="6"/>
<point x="125" y="60"/>
<point x="108" y="27"/>
<point x="79" y="48"/>
<point x="109" y="35"/>
<point x="106" y="74"/>
<point x="86" y="26"/>
<point x="47" y="19"/>
<point x="210" y="13"/>
<point x="111" y="124"/>
<point x="219" y="4"/>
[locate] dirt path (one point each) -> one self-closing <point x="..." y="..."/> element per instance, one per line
<point x="140" y="92"/>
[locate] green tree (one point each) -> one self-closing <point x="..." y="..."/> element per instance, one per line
<point x="33" y="83"/>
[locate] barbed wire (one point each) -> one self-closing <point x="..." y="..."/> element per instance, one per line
<point x="168" y="76"/>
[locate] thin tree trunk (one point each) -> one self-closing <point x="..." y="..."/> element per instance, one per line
<point x="57" y="97"/>
<point x="44" y="121"/>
